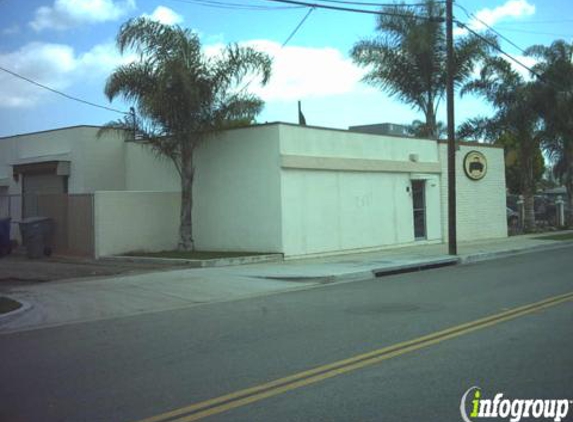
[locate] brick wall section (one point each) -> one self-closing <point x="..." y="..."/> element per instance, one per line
<point x="481" y="208"/>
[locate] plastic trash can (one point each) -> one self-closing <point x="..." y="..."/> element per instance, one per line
<point x="37" y="236"/>
<point x="5" y="244"/>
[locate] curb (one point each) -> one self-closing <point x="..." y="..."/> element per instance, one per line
<point x="374" y="272"/>
<point x="12" y="314"/>
<point x="417" y="266"/>
<point x="198" y="263"/>
<point x="486" y="256"/>
<point x="322" y="279"/>
<point x="421" y="265"/>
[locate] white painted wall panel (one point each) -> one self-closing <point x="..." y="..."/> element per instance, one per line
<point x="145" y="170"/>
<point x="300" y="140"/>
<point x="237" y="191"/>
<point x="135" y="221"/>
<point x="328" y="211"/>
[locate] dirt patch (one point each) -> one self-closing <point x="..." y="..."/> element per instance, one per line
<point x="18" y="269"/>
<point x="8" y="305"/>
<point x="565" y="236"/>
<point x="195" y="254"/>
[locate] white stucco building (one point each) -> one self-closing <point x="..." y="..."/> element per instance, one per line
<point x="276" y="187"/>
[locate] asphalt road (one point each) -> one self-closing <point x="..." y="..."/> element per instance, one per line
<point x="134" y="368"/>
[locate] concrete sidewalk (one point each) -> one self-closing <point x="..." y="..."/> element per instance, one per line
<point x="348" y="267"/>
<point x="71" y="301"/>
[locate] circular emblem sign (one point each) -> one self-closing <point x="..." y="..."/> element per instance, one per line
<point x="475" y="165"/>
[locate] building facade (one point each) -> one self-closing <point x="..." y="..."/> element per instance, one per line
<point x="281" y="188"/>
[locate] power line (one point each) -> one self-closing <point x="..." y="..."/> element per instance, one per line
<point x="283" y="45"/>
<point x="496" y="47"/>
<point x="473" y="16"/>
<point x="292" y="34"/>
<point x="235" y="6"/>
<point x="525" y="31"/>
<point x="69" y="97"/>
<point x="354" y="10"/>
<point x="509" y="56"/>
<point x="361" y="3"/>
<point x="542" y="22"/>
<point x="461" y="24"/>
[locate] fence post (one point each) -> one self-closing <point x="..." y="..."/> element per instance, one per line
<point x="521" y="210"/>
<point x="560" y="210"/>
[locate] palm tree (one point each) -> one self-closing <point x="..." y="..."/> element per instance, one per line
<point x="554" y="93"/>
<point x="182" y="95"/>
<point x="420" y="129"/>
<point x="408" y="58"/>
<point x="514" y="180"/>
<point x="515" y="118"/>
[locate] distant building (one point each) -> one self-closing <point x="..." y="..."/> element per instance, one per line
<point x="391" y="129"/>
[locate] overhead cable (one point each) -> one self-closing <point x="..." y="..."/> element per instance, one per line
<point x="235" y="6"/>
<point x="356" y="10"/>
<point x="473" y="16"/>
<point x="63" y="94"/>
<point x="362" y="3"/>
<point x="509" y="56"/>
<point x="292" y="34"/>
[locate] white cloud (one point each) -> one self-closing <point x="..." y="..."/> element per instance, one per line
<point x="525" y="74"/>
<point x="64" y="14"/>
<point x="304" y="72"/>
<point x="165" y="15"/>
<point x="298" y="72"/>
<point x="11" y="30"/>
<point x="527" y="61"/>
<point x="55" y="65"/>
<point x="512" y="9"/>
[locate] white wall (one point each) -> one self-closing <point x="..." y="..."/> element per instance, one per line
<point x="145" y="170"/>
<point x="332" y="210"/>
<point x="301" y="140"/>
<point x="7" y="154"/>
<point x="328" y="211"/>
<point x="95" y="163"/>
<point x="480" y="204"/>
<point x="101" y="161"/>
<point x="135" y="221"/>
<point x="237" y="191"/>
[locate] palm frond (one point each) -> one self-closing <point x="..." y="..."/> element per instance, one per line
<point x="408" y="57"/>
<point x="237" y="62"/>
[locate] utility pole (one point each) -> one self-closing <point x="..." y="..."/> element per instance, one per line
<point x="133" y="122"/>
<point x="452" y="235"/>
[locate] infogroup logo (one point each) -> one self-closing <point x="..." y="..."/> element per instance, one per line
<point x="514" y="409"/>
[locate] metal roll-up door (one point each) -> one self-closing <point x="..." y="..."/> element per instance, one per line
<point x="35" y="185"/>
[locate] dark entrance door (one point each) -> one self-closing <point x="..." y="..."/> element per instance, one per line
<point x="419" y="205"/>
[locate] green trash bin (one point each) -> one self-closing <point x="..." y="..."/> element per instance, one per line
<point x="37" y="236"/>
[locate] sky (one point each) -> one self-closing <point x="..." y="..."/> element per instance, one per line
<point x="68" y="45"/>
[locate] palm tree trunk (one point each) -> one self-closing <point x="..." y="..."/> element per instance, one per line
<point x="186" y="242"/>
<point x="431" y="124"/>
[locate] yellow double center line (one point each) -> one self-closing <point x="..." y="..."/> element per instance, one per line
<point x="240" y="398"/>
